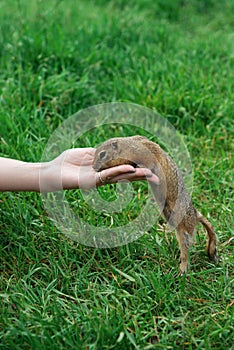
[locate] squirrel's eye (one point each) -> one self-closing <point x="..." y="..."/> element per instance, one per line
<point x="102" y="154"/>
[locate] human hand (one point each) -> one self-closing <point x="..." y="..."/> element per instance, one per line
<point x="73" y="169"/>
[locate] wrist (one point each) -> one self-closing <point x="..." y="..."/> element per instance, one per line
<point x="49" y="177"/>
<point x="16" y="175"/>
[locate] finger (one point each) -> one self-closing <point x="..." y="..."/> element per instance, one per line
<point x="140" y="174"/>
<point x="128" y="178"/>
<point x="118" y="170"/>
<point x="105" y="176"/>
<point x="146" y="174"/>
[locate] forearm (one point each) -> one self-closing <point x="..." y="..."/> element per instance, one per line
<point x="16" y="175"/>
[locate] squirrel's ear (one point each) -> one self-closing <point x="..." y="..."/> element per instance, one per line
<point x="114" y="145"/>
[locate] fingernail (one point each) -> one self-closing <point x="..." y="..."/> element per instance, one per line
<point x="149" y="175"/>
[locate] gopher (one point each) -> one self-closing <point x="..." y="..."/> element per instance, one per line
<point x="171" y="194"/>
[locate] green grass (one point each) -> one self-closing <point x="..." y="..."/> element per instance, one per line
<point x="58" y="57"/>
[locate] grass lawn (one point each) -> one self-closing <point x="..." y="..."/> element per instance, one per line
<point x="58" y="57"/>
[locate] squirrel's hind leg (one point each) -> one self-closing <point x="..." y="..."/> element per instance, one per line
<point x="185" y="241"/>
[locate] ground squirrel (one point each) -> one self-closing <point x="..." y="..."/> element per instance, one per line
<point x="171" y="195"/>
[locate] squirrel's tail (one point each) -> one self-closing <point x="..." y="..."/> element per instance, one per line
<point x="212" y="238"/>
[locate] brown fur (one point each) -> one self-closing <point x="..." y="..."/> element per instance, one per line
<point x="171" y="195"/>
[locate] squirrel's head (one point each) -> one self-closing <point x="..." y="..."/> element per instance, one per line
<point x="109" y="154"/>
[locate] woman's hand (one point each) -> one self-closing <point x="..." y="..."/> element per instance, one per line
<point x="73" y="169"/>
